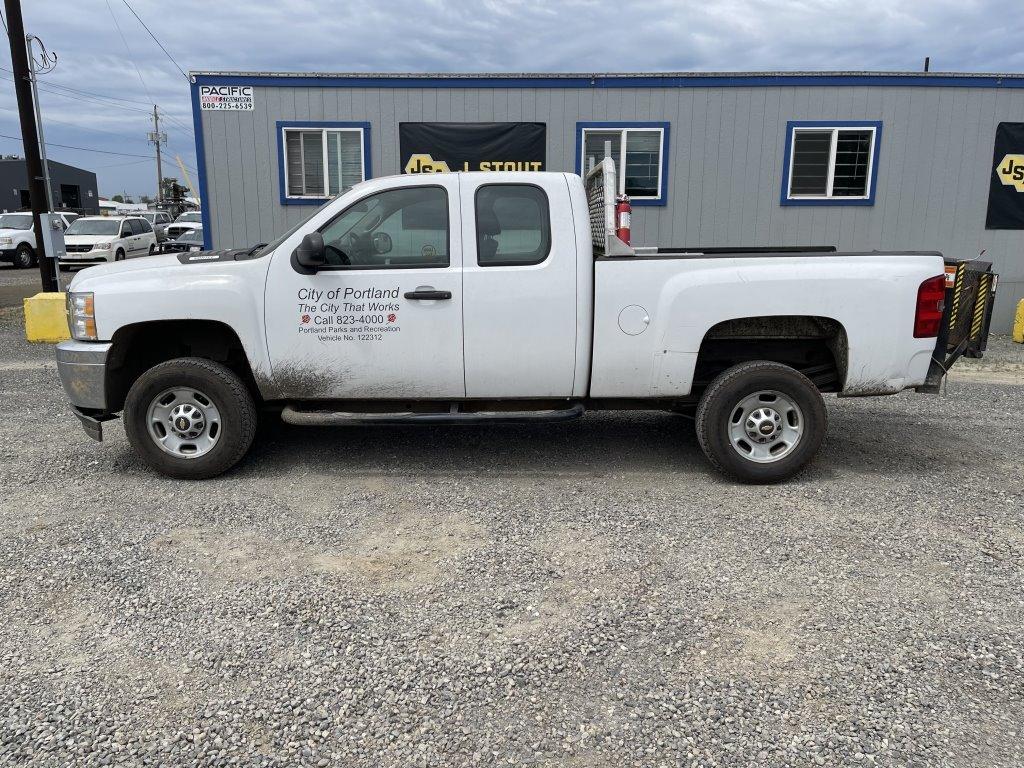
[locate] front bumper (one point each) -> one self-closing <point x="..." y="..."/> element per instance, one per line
<point x="82" y="367"/>
<point x="86" y="258"/>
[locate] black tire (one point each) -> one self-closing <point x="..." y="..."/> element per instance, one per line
<point x="721" y="400"/>
<point x="24" y="257"/>
<point x="152" y="249"/>
<point x="222" y="386"/>
<point x="119" y="256"/>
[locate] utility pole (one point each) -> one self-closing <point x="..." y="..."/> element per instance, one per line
<point x="37" y="191"/>
<point x="155" y="137"/>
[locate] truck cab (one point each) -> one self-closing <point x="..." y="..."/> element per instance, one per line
<point x="482" y="297"/>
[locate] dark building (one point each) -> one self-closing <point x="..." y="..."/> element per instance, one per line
<point x="74" y="189"/>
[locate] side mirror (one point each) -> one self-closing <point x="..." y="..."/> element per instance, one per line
<point x="310" y="255"/>
<point x="381" y="243"/>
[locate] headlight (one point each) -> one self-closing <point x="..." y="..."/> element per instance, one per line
<point x="82" y="316"/>
<point x="6" y="241"/>
<point x="101" y="246"/>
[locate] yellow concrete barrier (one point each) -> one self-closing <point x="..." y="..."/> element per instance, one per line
<point x="45" y="319"/>
<point x="1018" y="323"/>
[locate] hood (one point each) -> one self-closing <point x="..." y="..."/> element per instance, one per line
<point x="161" y="261"/>
<point x="88" y="239"/>
<point x="5" y="232"/>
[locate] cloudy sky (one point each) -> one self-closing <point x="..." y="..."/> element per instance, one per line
<point x="110" y="71"/>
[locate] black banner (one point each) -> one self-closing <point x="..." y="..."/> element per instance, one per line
<point x="1006" y="187"/>
<point x="441" y="147"/>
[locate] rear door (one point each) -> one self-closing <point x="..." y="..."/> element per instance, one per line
<point x="137" y="238"/>
<point x="519" y="280"/>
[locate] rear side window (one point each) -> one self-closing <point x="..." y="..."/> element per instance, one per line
<point x="136" y="225"/>
<point x="145" y="225"/>
<point x="513" y="225"/>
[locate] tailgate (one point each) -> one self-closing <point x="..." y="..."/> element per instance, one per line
<point x="970" y="294"/>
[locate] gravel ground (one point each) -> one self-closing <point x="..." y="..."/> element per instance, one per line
<point x="577" y="595"/>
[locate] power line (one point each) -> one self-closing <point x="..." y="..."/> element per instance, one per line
<point x="154" y="38"/>
<point x="122" y="165"/>
<point x="84" y="148"/>
<point x="97" y="130"/>
<point x="98" y="95"/>
<point x="47" y="87"/>
<point x="131" y="56"/>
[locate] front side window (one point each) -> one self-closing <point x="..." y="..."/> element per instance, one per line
<point x="830" y="164"/>
<point x="512" y="225"/>
<point x="399" y="228"/>
<point x="638" y="153"/>
<point x="321" y="163"/>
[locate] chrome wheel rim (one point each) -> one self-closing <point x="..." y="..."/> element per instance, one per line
<point x="765" y="427"/>
<point x="184" y="422"/>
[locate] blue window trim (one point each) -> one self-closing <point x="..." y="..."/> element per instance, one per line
<point x="580" y="127"/>
<point x="197" y="127"/>
<point x="605" y="81"/>
<point x="282" y="124"/>
<point x="785" y="199"/>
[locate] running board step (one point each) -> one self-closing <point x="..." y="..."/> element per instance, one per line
<point x="323" y="418"/>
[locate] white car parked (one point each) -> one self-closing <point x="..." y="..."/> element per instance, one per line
<point x="496" y="297"/>
<point x="18" y="239"/>
<point x="185" y="223"/>
<point x="99" y="239"/>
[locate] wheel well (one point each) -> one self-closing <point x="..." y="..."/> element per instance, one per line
<point x="137" y="348"/>
<point x="815" y="346"/>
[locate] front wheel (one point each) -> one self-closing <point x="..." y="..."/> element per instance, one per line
<point x="24" y="257"/>
<point x="119" y="256"/>
<point x="190" y="418"/>
<point x="761" y="422"/>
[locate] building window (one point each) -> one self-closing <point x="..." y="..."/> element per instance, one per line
<point x="640" y="152"/>
<point x="830" y="163"/>
<point x="319" y="161"/>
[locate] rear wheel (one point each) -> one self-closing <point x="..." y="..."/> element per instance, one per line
<point x="152" y="249"/>
<point x="761" y="422"/>
<point x="190" y="418"/>
<point x="24" y="257"/>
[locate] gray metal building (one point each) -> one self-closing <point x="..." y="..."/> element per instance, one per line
<point x="74" y="189"/>
<point x="860" y="161"/>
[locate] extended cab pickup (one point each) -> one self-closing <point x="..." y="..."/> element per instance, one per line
<point x="496" y="297"/>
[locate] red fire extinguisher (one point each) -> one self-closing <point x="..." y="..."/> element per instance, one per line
<point x="622" y="214"/>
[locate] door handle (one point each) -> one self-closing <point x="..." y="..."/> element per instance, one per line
<point x="431" y="295"/>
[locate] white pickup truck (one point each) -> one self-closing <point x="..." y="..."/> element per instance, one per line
<point x="503" y="297"/>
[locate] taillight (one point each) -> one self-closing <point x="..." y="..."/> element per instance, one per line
<point x="931" y="300"/>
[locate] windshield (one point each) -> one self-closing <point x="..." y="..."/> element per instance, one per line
<point x="268" y="247"/>
<point x="194" y="236"/>
<point x="194" y="216"/>
<point x="94" y="227"/>
<point x="16" y="221"/>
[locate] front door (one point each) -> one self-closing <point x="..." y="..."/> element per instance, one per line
<point x="383" y="319"/>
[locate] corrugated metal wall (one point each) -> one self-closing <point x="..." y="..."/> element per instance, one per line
<point x="725" y="167"/>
